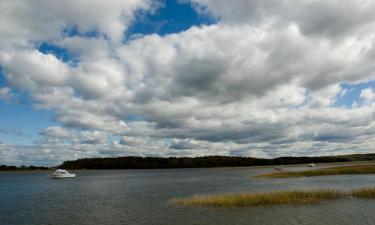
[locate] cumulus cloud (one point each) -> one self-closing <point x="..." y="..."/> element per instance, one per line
<point x="368" y="94"/>
<point x="334" y="19"/>
<point x="263" y="81"/>
<point x="5" y="93"/>
<point x="43" y="20"/>
<point x="70" y="136"/>
<point x="134" y="141"/>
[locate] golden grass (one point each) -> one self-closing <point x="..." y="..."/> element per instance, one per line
<point x="256" y="199"/>
<point x="273" y="198"/>
<point x="364" y="193"/>
<point x="339" y="170"/>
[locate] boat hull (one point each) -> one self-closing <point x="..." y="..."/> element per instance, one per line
<point x="62" y="176"/>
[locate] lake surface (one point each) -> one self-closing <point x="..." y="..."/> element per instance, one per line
<point x="140" y="197"/>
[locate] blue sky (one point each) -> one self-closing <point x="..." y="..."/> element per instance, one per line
<point x="171" y="17"/>
<point x="185" y="78"/>
<point x="19" y="114"/>
<point x="353" y="93"/>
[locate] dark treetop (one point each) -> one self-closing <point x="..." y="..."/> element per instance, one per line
<point x="11" y="168"/>
<point x="198" y="162"/>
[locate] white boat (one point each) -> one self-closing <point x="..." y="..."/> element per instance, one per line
<point x="312" y="165"/>
<point x="59" y="174"/>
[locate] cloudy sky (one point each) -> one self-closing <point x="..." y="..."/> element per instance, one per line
<point x="93" y="78"/>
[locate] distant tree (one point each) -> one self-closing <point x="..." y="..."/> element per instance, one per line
<point x="207" y="161"/>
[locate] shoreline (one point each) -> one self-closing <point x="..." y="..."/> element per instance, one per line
<point x="342" y="169"/>
<point x="318" y="165"/>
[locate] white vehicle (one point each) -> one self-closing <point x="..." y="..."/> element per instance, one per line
<point x="59" y="174"/>
<point x="312" y="165"/>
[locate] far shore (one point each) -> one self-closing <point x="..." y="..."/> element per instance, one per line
<point x="5" y="168"/>
<point x="319" y="165"/>
<point x="213" y="161"/>
<point x="359" y="168"/>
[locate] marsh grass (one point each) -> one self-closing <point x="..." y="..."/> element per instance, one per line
<point x="257" y="199"/>
<point x="273" y="198"/>
<point x="339" y="170"/>
<point x="364" y="193"/>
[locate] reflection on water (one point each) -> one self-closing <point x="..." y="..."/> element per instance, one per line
<point x="141" y="197"/>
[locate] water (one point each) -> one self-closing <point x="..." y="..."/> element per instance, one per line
<point x="140" y="197"/>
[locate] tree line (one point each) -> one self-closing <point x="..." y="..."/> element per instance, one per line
<point x="11" y="168"/>
<point x="132" y="162"/>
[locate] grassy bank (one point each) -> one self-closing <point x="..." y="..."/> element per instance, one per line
<point x="364" y="193"/>
<point x="339" y="170"/>
<point x="256" y="199"/>
<point x="273" y="198"/>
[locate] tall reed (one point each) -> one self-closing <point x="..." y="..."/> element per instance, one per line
<point x="273" y="198"/>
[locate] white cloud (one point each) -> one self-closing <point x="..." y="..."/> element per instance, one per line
<point x="61" y="135"/>
<point x="44" y="20"/>
<point x="318" y="17"/>
<point x="93" y="137"/>
<point x="5" y="93"/>
<point x="262" y="82"/>
<point x="134" y="141"/>
<point x="368" y="94"/>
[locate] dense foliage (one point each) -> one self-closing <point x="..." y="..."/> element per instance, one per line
<point x="208" y="161"/>
<point x="8" y="168"/>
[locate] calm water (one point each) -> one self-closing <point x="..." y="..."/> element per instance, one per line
<point x="138" y="197"/>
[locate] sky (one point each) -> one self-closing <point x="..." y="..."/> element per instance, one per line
<point x="93" y="78"/>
